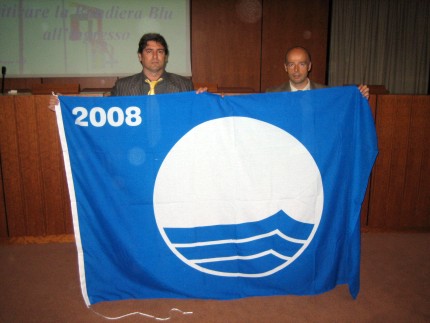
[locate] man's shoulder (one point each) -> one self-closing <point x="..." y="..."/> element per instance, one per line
<point x="176" y="77"/>
<point x="128" y="85"/>
<point x="178" y="83"/>
<point x="315" y="85"/>
<point x="284" y="87"/>
<point x="130" y="78"/>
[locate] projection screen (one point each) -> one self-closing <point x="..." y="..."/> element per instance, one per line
<point x="48" y="38"/>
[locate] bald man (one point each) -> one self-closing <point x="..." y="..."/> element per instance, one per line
<point x="298" y="65"/>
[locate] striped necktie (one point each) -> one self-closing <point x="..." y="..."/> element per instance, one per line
<point x="152" y="85"/>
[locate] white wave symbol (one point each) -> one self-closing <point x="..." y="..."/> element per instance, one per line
<point x="273" y="233"/>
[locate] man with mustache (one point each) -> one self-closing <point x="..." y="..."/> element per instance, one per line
<point x="153" y="54"/>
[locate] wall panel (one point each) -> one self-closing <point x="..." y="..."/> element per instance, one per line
<point x="365" y="205"/>
<point x="36" y="196"/>
<point x="3" y="219"/>
<point x="30" y="167"/>
<point x="56" y="203"/>
<point x="293" y="23"/>
<point x="21" y="84"/>
<point x="6" y="143"/>
<point x="85" y="83"/>
<point x="400" y="191"/>
<point x="10" y="155"/>
<point x="226" y="43"/>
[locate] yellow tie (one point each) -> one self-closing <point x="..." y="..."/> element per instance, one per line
<point x="152" y="85"/>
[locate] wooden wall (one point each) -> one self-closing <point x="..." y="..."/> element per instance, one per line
<point x="92" y="84"/>
<point x="35" y="194"/>
<point x="293" y="23"/>
<point x="225" y="49"/>
<point x="239" y="44"/>
<point x="400" y="189"/>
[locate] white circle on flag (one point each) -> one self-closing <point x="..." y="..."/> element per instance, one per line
<point x="237" y="173"/>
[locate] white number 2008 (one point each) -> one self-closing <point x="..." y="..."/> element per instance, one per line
<point x="115" y="117"/>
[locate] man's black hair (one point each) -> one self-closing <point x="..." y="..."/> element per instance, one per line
<point x="154" y="37"/>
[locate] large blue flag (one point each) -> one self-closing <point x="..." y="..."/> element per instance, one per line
<point x="201" y="196"/>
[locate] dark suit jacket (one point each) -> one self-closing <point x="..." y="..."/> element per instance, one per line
<point x="136" y="85"/>
<point x="285" y="87"/>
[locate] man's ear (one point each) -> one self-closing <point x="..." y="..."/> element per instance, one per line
<point x="310" y="66"/>
<point x="139" y="57"/>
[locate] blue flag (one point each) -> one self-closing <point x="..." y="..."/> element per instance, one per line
<point x="202" y="196"/>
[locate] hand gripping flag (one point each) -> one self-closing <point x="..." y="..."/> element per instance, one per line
<point x="202" y="196"/>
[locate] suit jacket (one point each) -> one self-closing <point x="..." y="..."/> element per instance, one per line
<point x="136" y="85"/>
<point x="285" y="87"/>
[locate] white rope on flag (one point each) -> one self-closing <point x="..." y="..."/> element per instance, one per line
<point x="143" y="314"/>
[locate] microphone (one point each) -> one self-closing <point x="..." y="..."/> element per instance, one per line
<point x="3" y="73"/>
